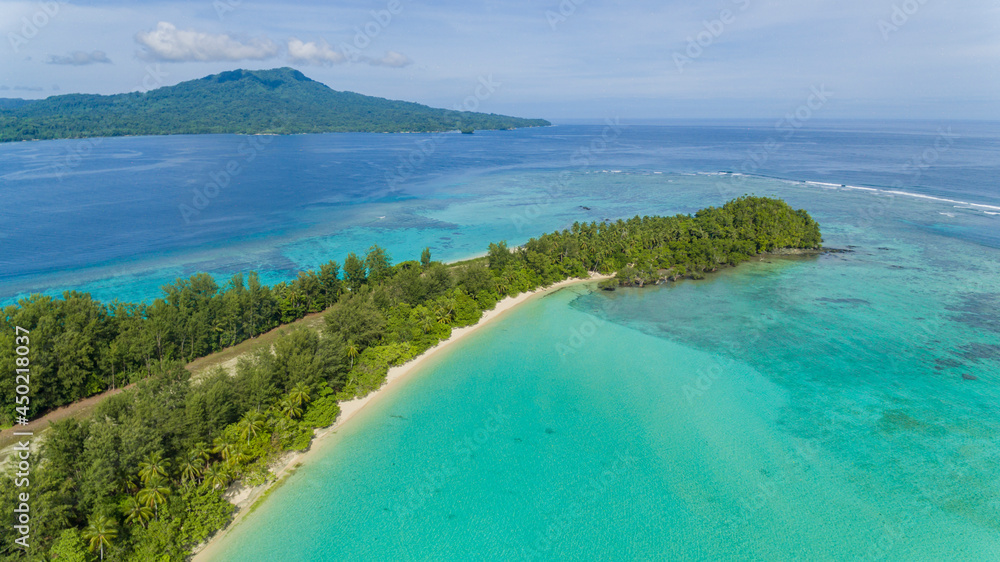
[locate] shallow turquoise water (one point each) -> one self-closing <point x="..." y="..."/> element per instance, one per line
<point x="806" y="408"/>
<point x="107" y="216"/>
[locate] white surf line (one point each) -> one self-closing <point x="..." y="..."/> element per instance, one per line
<point x="942" y="199"/>
<point x="827" y="185"/>
<point x="824" y="184"/>
<point x="892" y="191"/>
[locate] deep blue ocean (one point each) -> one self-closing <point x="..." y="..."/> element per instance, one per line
<point x="839" y="407"/>
<point x="120" y="217"/>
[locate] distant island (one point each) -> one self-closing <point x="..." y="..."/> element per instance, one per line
<point x="277" y="101"/>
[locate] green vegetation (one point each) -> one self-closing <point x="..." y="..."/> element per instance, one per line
<point x="652" y="249"/>
<point x="278" y="101"/>
<point x="13" y="103"/>
<point x="142" y="478"/>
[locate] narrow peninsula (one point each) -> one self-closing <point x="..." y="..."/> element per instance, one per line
<point x="145" y="474"/>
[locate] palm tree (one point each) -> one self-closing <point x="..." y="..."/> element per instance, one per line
<point x="426" y="322"/>
<point x="299" y="394"/>
<point x="352" y="351"/>
<point x="136" y="512"/>
<point x="225" y="448"/>
<point x="215" y="476"/>
<point x="191" y="466"/>
<point x="501" y="286"/>
<point x="100" y="533"/>
<point x="445" y="311"/>
<point x="200" y="450"/>
<point x="127" y="484"/>
<point x="232" y="465"/>
<point x="508" y="280"/>
<point x="288" y="407"/>
<point x="153" y="465"/>
<point x="155" y="493"/>
<point x="252" y="424"/>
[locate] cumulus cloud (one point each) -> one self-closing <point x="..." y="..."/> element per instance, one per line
<point x="167" y="43"/>
<point x="393" y="59"/>
<point x="80" y="58"/>
<point x="314" y="52"/>
<point x="320" y="52"/>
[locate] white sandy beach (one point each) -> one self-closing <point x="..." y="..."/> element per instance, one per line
<point x="243" y="498"/>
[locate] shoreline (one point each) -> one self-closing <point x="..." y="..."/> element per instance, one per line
<point x="291" y="461"/>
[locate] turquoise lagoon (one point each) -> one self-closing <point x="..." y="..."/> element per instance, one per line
<point x="789" y="408"/>
<point x="105" y="215"/>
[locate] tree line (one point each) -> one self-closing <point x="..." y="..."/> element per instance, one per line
<point x="142" y="477"/>
<point x="276" y="101"/>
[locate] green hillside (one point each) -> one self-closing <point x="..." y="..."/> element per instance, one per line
<point x="281" y="101"/>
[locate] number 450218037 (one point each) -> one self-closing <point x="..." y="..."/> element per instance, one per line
<point x="23" y="369"/>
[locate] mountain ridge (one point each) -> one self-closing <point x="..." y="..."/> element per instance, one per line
<point x="275" y="101"/>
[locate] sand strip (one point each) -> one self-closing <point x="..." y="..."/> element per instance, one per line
<point x="351" y="407"/>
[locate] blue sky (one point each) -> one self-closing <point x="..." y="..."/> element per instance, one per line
<point x="558" y="59"/>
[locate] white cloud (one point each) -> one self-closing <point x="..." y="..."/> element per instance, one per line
<point x="80" y="58"/>
<point x="314" y="52"/>
<point x="167" y="43"/>
<point x="23" y="88"/>
<point x="393" y="59"/>
<point x="320" y="52"/>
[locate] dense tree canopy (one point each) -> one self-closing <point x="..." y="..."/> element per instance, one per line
<point x="142" y="477"/>
<point x="279" y="101"/>
<point x="82" y="347"/>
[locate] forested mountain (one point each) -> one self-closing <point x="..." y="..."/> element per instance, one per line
<point x="279" y="101"/>
<point x="13" y="103"/>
